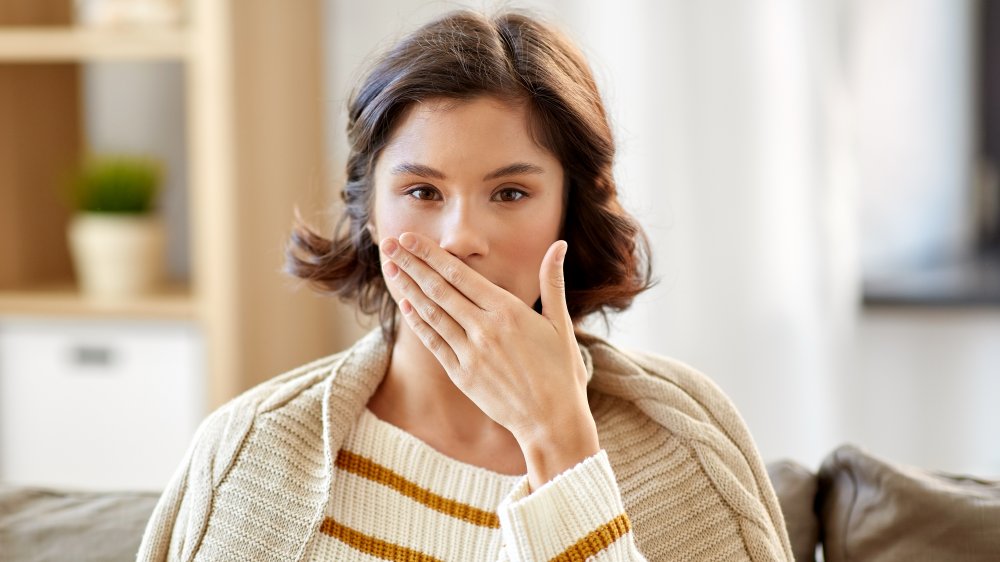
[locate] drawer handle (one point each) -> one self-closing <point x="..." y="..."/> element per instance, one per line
<point x="92" y="356"/>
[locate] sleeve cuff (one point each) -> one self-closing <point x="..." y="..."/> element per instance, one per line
<point x="564" y="512"/>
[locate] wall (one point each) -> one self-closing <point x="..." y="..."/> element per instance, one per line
<point x="924" y="387"/>
<point x="738" y="132"/>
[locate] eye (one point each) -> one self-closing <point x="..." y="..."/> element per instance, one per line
<point x="424" y="193"/>
<point x="509" y="195"/>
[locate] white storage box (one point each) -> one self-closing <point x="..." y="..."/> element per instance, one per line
<point x="97" y="404"/>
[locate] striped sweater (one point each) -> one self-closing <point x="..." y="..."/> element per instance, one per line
<point x="297" y="469"/>
<point x="450" y="510"/>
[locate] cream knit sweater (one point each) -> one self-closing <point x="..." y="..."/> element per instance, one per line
<point x="678" y="477"/>
<point x="454" y="511"/>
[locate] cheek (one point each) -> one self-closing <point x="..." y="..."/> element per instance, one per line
<point x="389" y="221"/>
<point x="527" y="247"/>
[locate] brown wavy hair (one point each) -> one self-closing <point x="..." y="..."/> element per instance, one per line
<point x="511" y="56"/>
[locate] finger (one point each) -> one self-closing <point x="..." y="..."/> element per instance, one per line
<point x="552" y="281"/>
<point x="432" y="314"/>
<point x="479" y="290"/>
<point x="430" y="338"/>
<point x="434" y="284"/>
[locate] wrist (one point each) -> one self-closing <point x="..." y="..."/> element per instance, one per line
<point x="554" y="449"/>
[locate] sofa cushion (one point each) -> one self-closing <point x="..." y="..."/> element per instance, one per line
<point x="876" y="511"/>
<point x="796" y="488"/>
<point x="41" y="525"/>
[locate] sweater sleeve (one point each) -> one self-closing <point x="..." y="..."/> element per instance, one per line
<point x="163" y="539"/>
<point x="577" y="515"/>
<point x="178" y="522"/>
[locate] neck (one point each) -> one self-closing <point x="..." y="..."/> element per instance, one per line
<point x="417" y="392"/>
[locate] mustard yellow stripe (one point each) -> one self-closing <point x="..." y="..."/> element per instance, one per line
<point x="366" y="468"/>
<point x="597" y="540"/>
<point x="373" y="546"/>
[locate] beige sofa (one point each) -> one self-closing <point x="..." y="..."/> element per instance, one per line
<point x="856" y="508"/>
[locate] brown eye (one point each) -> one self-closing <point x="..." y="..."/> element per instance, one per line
<point x="423" y="194"/>
<point x="509" y="195"/>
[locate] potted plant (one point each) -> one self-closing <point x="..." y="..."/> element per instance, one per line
<point x="117" y="240"/>
<point x="129" y="13"/>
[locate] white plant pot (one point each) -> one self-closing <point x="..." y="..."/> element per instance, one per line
<point x="117" y="256"/>
<point x="129" y="13"/>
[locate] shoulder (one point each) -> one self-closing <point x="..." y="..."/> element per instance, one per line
<point x="692" y="429"/>
<point x="180" y="521"/>
<point x="291" y="403"/>
<point x="664" y="383"/>
<point x="678" y="398"/>
<point x="223" y="432"/>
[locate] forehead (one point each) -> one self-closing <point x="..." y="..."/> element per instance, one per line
<point x="484" y="131"/>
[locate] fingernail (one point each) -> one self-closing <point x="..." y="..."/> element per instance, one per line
<point x="391" y="270"/>
<point x="408" y="241"/>
<point x="389" y="247"/>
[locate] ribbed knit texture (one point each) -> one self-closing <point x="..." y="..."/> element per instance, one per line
<point x="677" y="467"/>
<point x="391" y="487"/>
<point x="451" y="510"/>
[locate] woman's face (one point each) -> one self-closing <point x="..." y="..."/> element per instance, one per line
<point x="468" y="175"/>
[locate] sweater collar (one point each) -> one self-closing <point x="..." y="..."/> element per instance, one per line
<point x="357" y="376"/>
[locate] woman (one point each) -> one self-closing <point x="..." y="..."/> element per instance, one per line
<point x="482" y="211"/>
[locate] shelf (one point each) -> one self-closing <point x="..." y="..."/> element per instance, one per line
<point x="232" y="145"/>
<point x="174" y="302"/>
<point x="24" y="44"/>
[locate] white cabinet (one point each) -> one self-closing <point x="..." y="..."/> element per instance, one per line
<point x="89" y="404"/>
<point x="232" y="320"/>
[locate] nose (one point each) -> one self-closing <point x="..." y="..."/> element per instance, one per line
<point x="463" y="233"/>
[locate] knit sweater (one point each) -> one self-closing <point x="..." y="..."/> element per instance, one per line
<point x="456" y="511"/>
<point x="274" y="475"/>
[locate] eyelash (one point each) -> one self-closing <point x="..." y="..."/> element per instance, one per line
<point x="415" y="190"/>
<point x="436" y="196"/>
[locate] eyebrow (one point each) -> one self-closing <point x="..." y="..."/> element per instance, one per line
<point x="412" y="168"/>
<point x="515" y="169"/>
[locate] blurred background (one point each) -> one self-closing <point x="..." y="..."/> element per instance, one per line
<point x="819" y="181"/>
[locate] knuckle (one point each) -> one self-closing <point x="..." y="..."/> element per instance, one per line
<point x="453" y="274"/>
<point x="423" y="331"/>
<point x="435" y="290"/>
<point x="421" y="250"/>
<point x="483" y="340"/>
<point x="434" y="343"/>
<point x="432" y="314"/>
<point x="403" y="283"/>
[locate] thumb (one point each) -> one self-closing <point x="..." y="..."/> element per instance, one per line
<point x="553" y="285"/>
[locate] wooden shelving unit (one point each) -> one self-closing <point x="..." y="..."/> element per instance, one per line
<point x="34" y="44"/>
<point x="254" y="148"/>
<point x="174" y="302"/>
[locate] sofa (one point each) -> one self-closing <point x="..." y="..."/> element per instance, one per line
<point x="857" y="507"/>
